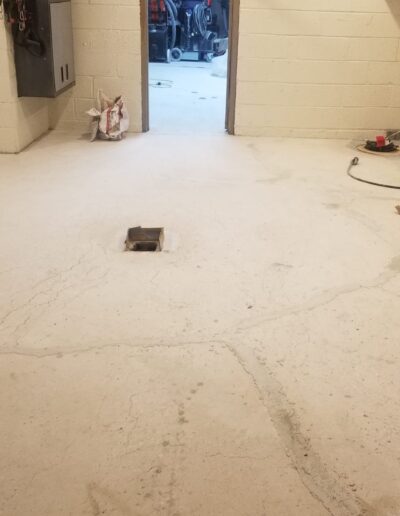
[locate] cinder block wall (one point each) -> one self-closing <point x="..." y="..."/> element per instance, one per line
<point x="324" y="68"/>
<point x="21" y="120"/>
<point x="317" y="68"/>
<point x="107" y="56"/>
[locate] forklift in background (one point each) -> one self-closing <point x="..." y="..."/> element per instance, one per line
<point x="195" y="30"/>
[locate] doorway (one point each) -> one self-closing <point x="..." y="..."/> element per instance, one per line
<point x="189" y="65"/>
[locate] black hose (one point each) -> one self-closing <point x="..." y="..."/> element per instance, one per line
<point x="200" y="20"/>
<point x="170" y="9"/>
<point x="354" y="162"/>
<point x="174" y="8"/>
<point x="373" y="146"/>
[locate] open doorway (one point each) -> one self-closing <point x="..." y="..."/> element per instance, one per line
<point x="189" y="56"/>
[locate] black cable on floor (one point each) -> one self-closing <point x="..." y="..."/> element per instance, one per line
<point x="354" y="162"/>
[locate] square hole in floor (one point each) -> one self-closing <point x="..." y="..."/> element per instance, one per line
<point x="144" y="239"/>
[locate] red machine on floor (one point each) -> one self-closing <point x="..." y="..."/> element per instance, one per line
<point x="187" y="29"/>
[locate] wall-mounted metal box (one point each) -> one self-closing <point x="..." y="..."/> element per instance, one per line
<point x="51" y="73"/>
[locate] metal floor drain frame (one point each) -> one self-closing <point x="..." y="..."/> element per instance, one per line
<point x="140" y="239"/>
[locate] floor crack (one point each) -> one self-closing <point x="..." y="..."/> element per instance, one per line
<point x="325" y="298"/>
<point x="44" y="353"/>
<point x="319" y="482"/>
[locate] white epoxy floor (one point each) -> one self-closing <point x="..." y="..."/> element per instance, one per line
<point x="250" y="369"/>
<point x="187" y="97"/>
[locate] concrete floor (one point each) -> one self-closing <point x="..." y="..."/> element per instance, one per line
<point x="186" y="97"/>
<point x="250" y="369"/>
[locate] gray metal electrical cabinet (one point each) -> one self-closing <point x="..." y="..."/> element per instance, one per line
<point x="52" y="72"/>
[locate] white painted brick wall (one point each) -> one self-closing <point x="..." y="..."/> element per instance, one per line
<point x="107" y="56"/>
<point x="326" y="68"/>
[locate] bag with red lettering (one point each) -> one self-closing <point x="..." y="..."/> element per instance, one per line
<point x="110" y="120"/>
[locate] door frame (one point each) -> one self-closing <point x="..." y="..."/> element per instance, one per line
<point x="144" y="57"/>
<point x="233" y="49"/>
<point x="233" y="42"/>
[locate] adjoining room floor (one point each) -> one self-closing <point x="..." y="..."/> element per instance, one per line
<point x="252" y="368"/>
<point x="187" y="97"/>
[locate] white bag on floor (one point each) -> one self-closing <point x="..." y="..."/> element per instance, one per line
<point x="110" y="120"/>
<point x="219" y="67"/>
